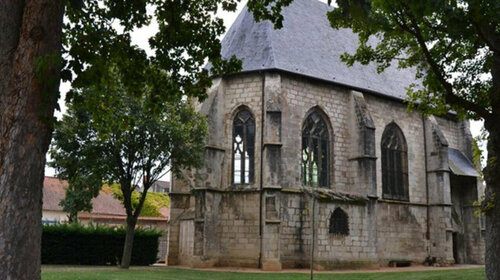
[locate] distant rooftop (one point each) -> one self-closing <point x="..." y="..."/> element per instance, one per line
<point x="309" y="46"/>
<point x="105" y="204"/>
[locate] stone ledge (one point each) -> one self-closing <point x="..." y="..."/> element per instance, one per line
<point x="272" y="187"/>
<point x="215" y="148"/>
<point x="363" y="157"/>
<point x="279" y="144"/>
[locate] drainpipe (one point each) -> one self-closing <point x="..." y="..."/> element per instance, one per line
<point x="261" y="188"/>
<point x="427" y="233"/>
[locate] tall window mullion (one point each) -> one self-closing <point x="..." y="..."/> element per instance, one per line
<point x="320" y="163"/>
<point x="311" y="160"/>
<point x="244" y="158"/>
<point x="392" y="175"/>
<point x="243" y="147"/>
<point x="315" y="151"/>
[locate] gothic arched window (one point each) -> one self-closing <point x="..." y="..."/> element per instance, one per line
<point x="394" y="164"/>
<point x="339" y="222"/>
<point x="315" y="151"/>
<point x="243" y="147"/>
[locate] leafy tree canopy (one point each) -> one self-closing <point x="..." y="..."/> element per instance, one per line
<point x="451" y="45"/>
<point x="97" y="33"/>
<point x="109" y="135"/>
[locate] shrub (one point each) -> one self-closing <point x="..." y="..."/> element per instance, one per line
<point x="95" y="245"/>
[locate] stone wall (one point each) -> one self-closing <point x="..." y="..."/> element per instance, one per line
<point x="238" y="229"/>
<point x="269" y="222"/>
<point x="299" y="97"/>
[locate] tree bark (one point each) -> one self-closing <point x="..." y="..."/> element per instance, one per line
<point x="31" y="31"/>
<point x="492" y="234"/>
<point x="129" y="243"/>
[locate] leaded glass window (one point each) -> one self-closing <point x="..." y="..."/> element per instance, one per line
<point x="394" y="164"/>
<point x="243" y="147"/>
<point x="339" y="222"/>
<point x="315" y="151"/>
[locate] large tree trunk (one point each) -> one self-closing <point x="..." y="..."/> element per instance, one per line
<point x="492" y="177"/>
<point x="129" y="243"/>
<point x="492" y="235"/>
<point x="30" y="32"/>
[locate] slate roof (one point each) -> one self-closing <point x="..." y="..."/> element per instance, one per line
<point x="309" y="46"/>
<point x="459" y="164"/>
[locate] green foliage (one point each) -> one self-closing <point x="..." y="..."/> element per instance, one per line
<point x="95" y="245"/>
<point x="152" y="204"/>
<point x="98" y="33"/>
<point x="77" y="200"/>
<point x="269" y="10"/>
<point x="451" y="44"/>
<point x="484" y="205"/>
<point x="108" y="135"/>
<point x="101" y="58"/>
<point x="477" y="152"/>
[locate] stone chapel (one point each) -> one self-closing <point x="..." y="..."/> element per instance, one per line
<point x="306" y="153"/>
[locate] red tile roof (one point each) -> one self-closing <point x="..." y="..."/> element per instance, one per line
<point x="103" y="205"/>
<point x="53" y="191"/>
<point x="107" y="204"/>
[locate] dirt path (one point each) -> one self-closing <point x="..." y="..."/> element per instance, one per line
<point x="372" y="270"/>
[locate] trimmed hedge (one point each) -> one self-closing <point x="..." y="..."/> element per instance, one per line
<point x="95" y="245"/>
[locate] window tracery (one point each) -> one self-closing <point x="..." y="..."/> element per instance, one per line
<point x="315" y="151"/>
<point x="394" y="164"/>
<point x="243" y="147"/>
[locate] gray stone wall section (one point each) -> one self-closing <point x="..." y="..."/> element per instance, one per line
<point x="386" y="111"/>
<point x="438" y="172"/>
<point x="353" y="250"/>
<point x="451" y="131"/>
<point x="269" y="223"/>
<point x="181" y="208"/>
<point x="363" y="149"/>
<point x="294" y="230"/>
<point x="300" y="97"/>
<point x="238" y="229"/>
<point x="401" y="232"/>
<point x="272" y="172"/>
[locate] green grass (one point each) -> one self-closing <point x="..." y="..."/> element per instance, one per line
<point x="163" y="273"/>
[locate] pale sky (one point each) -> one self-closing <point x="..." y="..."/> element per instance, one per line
<point x="140" y="37"/>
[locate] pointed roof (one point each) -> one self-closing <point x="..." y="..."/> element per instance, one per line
<point x="309" y="46"/>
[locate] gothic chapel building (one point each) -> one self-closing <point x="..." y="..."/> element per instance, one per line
<point x="302" y="146"/>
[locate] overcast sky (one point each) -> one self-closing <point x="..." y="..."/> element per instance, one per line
<point x="140" y="37"/>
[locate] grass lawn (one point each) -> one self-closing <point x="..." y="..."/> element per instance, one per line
<point x="163" y="273"/>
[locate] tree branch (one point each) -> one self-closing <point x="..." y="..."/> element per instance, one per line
<point x="147" y="185"/>
<point x="450" y="96"/>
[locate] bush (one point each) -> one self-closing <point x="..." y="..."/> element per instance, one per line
<point x="95" y="245"/>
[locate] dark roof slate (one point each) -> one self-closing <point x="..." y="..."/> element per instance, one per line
<point x="309" y="46"/>
<point x="460" y="165"/>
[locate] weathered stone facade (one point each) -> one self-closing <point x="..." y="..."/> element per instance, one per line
<point x="279" y="220"/>
<point x="268" y="223"/>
